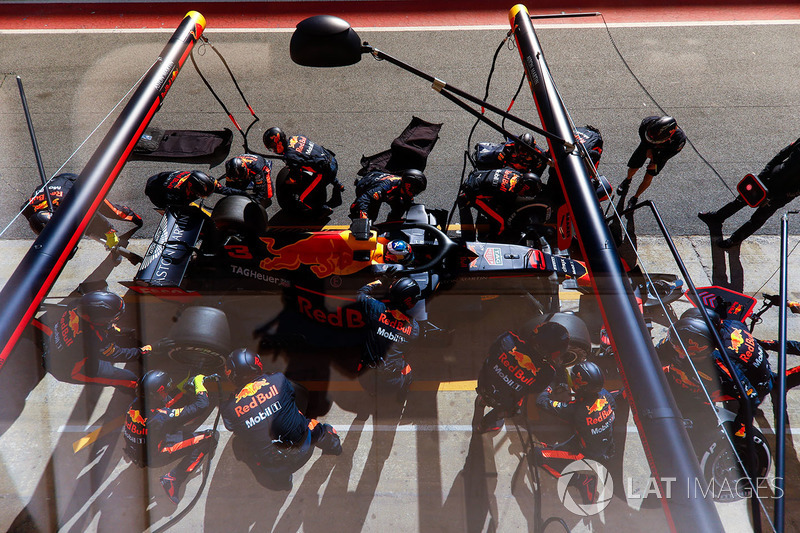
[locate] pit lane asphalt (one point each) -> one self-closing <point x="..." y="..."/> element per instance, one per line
<point x="425" y="473"/>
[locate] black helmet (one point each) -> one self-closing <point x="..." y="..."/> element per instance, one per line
<point x="694" y="312"/>
<point x="694" y="334"/>
<point x="243" y="365"/>
<point x="586" y="378"/>
<point x="155" y="386"/>
<point x="275" y="140"/>
<point x="39" y="220"/>
<point x="530" y="184"/>
<point x="242" y="166"/>
<point x="550" y="340"/>
<point x="404" y="293"/>
<point x="580" y="342"/>
<point x="100" y="308"/>
<point x="415" y="179"/>
<point x="661" y="130"/>
<point x="201" y="183"/>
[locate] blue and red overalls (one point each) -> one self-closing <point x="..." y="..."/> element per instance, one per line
<point x="158" y="435"/>
<point x="83" y="353"/>
<point x="312" y="168"/>
<point x="390" y="332"/>
<point x="271" y="435"/>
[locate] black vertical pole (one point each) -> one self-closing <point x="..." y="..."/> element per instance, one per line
<point x="36" y="152"/>
<point x="780" y="409"/>
<point x="669" y="451"/>
<point x="41" y="266"/>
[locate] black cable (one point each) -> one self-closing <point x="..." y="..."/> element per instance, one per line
<point x="652" y="99"/>
<point x="475" y="125"/>
<point x="539" y="525"/>
<point x="219" y="100"/>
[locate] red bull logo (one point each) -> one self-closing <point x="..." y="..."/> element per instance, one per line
<point x="74" y="323"/>
<point x="327" y="253"/>
<point x="736" y="340"/>
<point x="136" y="422"/>
<point x="251" y="389"/>
<point x="524" y="361"/>
<point x="598" y="405"/>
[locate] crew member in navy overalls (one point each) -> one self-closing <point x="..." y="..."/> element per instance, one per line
<point x="271" y="434"/>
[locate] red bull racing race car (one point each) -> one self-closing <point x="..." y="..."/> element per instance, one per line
<point x="233" y="250"/>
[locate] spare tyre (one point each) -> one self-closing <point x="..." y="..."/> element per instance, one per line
<point x="202" y="338"/>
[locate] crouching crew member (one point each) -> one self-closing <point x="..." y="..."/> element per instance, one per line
<point x="271" y="435"/>
<point x="245" y="173"/>
<point x="157" y="432"/>
<point x="179" y="187"/>
<point x="85" y="345"/>
<point x="377" y="188"/>
<point x="311" y="168"/>
<point x="390" y="331"/>
<point x="518" y="365"/>
<point x="591" y="414"/>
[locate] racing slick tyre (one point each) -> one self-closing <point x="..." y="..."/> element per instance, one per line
<point x="722" y="470"/>
<point x="239" y="214"/>
<point x="202" y="338"/>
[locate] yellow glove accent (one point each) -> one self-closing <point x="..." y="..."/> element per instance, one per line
<point x="199" y="386"/>
<point x="112" y="239"/>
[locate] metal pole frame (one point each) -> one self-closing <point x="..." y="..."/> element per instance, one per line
<point x="44" y="261"/>
<point x="666" y="444"/>
<point x="780" y="408"/>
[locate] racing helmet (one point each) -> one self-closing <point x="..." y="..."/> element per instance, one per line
<point x="415" y="180"/>
<point x="39" y="220"/>
<point x="404" y="293"/>
<point x="398" y="252"/>
<point x="550" y="340"/>
<point x="586" y="378"/>
<point x="694" y="312"/>
<point x="694" y="334"/>
<point x="243" y="365"/>
<point x="661" y="130"/>
<point x="201" y="183"/>
<point x="101" y="308"/>
<point x="275" y="140"/>
<point x="580" y="342"/>
<point x="530" y="184"/>
<point x="240" y="167"/>
<point x="154" y="387"/>
<point x="602" y="188"/>
<point x="527" y="138"/>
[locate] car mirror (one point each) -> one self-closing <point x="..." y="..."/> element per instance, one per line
<point x="325" y="41"/>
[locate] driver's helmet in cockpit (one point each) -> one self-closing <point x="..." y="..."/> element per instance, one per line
<point x="398" y="252"/>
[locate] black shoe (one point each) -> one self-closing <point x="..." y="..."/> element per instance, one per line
<point x="171" y="487"/>
<point x="710" y="217"/>
<point x="490" y="425"/>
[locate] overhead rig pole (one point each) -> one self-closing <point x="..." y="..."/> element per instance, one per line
<point x="44" y="261"/>
<point x="669" y="452"/>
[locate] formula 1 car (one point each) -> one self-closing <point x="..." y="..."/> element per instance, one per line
<point x="233" y="250"/>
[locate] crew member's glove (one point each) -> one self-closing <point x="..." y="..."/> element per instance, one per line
<point x="389" y="274"/>
<point x="623" y="187"/>
<point x="138" y="221"/>
<point x="632" y="202"/>
<point x="112" y="239"/>
<point x="198" y="383"/>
